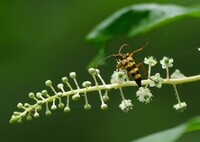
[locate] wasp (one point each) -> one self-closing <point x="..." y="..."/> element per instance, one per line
<point x="125" y="61"/>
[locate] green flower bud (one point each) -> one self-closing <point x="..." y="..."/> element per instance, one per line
<point x="28" y="118"/>
<point x="64" y="79"/>
<point x="48" y="113"/>
<point x="19" y="121"/>
<point x="53" y="107"/>
<point x="104" y="106"/>
<point x="60" y="86"/>
<point x="61" y="105"/>
<point x="36" y="115"/>
<point x="97" y="71"/>
<point x="48" y="83"/>
<point x="20" y="105"/>
<point x="87" y="107"/>
<point x="66" y="109"/>
<point x="105" y="98"/>
<point x="72" y="75"/>
<point x="39" y="107"/>
<point x="31" y="95"/>
<point x="38" y="95"/>
<point x="26" y="105"/>
<point x="44" y="92"/>
<point x="92" y="71"/>
<point x="76" y="97"/>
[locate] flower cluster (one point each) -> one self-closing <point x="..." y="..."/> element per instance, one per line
<point x="177" y="75"/>
<point x="157" y="80"/>
<point x="150" y="61"/>
<point x="126" y="105"/>
<point x="180" y="106"/>
<point x="144" y="95"/>
<point x="118" y="76"/>
<point x="119" y="79"/>
<point x="166" y="62"/>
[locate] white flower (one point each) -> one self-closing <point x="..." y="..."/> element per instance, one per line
<point x="126" y="105"/>
<point x="156" y="80"/>
<point x="166" y="62"/>
<point x="180" y="106"/>
<point x="118" y="76"/>
<point x="144" y="95"/>
<point x="150" y="61"/>
<point x="177" y="75"/>
<point x="199" y="49"/>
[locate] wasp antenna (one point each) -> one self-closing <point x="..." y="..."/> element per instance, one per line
<point x="105" y="59"/>
<point x="123" y="47"/>
<point x="141" y="48"/>
<point x="145" y="44"/>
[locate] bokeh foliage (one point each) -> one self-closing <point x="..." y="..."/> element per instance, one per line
<point x="43" y="40"/>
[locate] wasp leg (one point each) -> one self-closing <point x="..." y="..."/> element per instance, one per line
<point x="127" y="76"/>
<point x="144" y="70"/>
<point x="119" y="66"/>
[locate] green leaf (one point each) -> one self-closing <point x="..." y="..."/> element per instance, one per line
<point x="193" y="124"/>
<point x="138" y="19"/>
<point x="173" y="134"/>
<point x="169" y="135"/>
<point x="100" y="55"/>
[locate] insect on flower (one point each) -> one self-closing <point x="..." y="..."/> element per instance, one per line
<point x="125" y="61"/>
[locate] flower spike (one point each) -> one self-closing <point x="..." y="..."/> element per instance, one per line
<point x="53" y="100"/>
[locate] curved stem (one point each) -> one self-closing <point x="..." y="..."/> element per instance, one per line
<point x="104" y="87"/>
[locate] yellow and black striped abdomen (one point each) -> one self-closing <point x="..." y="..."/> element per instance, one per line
<point x="133" y="70"/>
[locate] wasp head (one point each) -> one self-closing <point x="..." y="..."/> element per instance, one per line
<point x="121" y="56"/>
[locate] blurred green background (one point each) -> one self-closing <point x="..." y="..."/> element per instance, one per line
<point x="42" y="40"/>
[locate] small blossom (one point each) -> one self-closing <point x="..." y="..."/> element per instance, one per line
<point x="177" y="75"/>
<point x="199" y="49"/>
<point x="166" y="62"/>
<point x="156" y="80"/>
<point x="126" y="105"/>
<point x="144" y="95"/>
<point x="180" y="106"/>
<point x="150" y="61"/>
<point x="118" y="76"/>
